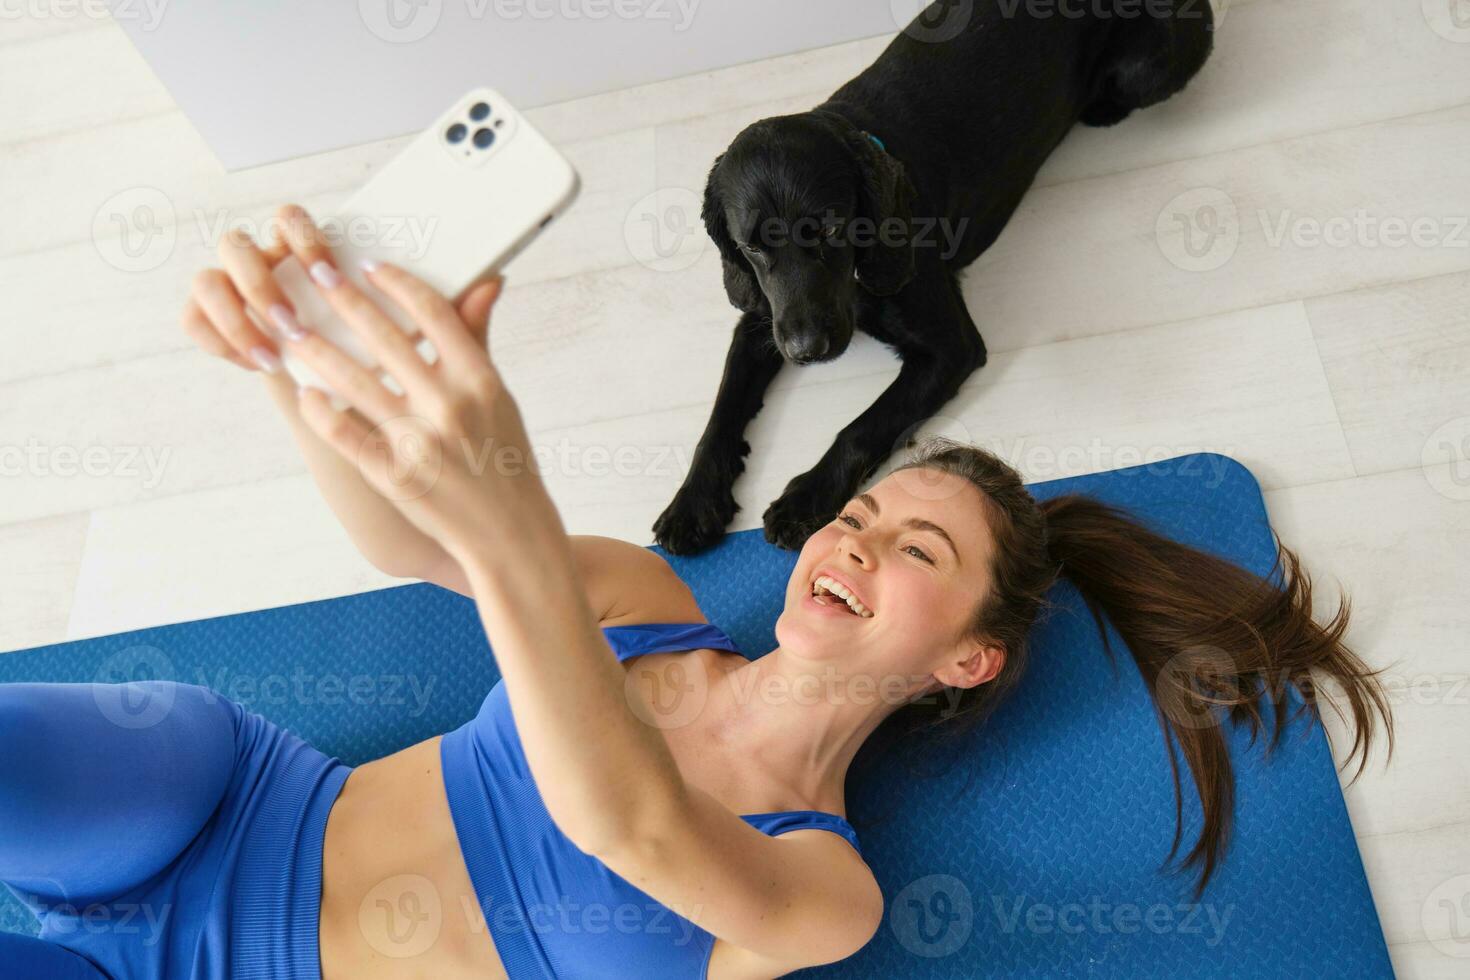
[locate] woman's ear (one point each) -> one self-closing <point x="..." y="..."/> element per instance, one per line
<point x="886" y="199"/>
<point x="740" y="285"/>
<point x="983" y="663"/>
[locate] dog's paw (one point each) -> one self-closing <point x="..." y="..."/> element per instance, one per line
<point x="804" y="506"/>
<point x="694" y="520"/>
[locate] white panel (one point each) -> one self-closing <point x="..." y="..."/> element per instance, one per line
<point x="266" y="81"/>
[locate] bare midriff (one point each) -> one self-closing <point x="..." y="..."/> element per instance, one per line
<point x="397" y="900"/>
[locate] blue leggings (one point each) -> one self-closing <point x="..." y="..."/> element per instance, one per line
<point x="159" y="829"/>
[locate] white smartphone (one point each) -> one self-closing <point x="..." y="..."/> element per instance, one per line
<point x="457" y="204"/>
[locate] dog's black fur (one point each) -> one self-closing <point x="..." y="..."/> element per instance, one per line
<point x="966" y="123"/>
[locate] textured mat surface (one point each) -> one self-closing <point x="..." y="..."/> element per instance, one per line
<point x="1035" y="850"/>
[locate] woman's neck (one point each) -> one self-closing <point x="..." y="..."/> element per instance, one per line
<point x="800" y="723"/>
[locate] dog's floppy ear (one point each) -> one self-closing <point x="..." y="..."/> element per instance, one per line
<point x="887" y="263"/>
<point x="740" y="285"/>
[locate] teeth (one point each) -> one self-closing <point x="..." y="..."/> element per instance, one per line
<point x="825" y="584"/>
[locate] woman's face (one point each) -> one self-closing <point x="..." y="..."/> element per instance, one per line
<point x="915" y="552"/>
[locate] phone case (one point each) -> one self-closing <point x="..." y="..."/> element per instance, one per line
<point x="452" y="207"/>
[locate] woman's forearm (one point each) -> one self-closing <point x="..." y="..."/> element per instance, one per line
<point x="603" y="773"/>
<point x="383" y="535"/>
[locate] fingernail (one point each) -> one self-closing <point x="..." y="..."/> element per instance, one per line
<point x="368" y="265"/>
<point x="285" y="321"/>
<point x="269" y="363"/>
<point x="324" y="275"/>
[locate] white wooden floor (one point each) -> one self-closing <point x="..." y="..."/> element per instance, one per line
<point x="1315" y="325"/>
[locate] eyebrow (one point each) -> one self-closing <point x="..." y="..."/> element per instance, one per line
<point x="917" y="523"/>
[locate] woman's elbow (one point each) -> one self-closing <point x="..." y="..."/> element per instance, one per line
<point x="623" y="833"/>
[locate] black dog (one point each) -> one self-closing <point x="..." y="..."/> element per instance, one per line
<point x="860" y="213"/>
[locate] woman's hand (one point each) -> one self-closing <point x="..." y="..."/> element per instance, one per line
<point x="218" y="317"/>
<point x="451" y="451"/>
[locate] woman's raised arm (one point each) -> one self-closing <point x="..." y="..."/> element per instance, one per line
<point x="607" y="778"/>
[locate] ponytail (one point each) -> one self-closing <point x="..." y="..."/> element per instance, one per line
<point x="1209" y="638"/>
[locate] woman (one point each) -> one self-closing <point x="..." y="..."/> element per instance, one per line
<point x="663" y="797"/>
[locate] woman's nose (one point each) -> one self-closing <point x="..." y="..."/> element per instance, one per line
<point x="856" y="550"/>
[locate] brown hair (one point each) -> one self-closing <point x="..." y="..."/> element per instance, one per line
<point x="1205" y="634"/>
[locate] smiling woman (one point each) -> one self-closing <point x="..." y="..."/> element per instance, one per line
<point x="1211" y="640"/>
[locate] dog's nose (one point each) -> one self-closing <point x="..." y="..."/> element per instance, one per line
<point x="807" y="347"/>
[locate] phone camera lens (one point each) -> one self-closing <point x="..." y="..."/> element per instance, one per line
<point x="484" y="137"/>
<point x="455" y="133"/>
<point x="479" y="111"/>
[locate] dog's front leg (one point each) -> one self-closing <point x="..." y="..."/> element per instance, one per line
<point x="704" y="505"/>
<point x="925" y="382"/>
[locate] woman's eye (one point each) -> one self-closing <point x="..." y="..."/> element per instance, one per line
<point x="912" y="549"/>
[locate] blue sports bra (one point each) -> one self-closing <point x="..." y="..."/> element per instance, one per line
<point x="554" y="911"/>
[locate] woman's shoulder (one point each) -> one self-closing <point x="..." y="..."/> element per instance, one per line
<point x="628" y="584"/>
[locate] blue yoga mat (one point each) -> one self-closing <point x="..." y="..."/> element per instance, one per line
<point x="1033" y="849"/>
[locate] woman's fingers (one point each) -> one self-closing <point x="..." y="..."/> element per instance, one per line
<point x="386" y="341"/>
<point x="360" y="386"/>
<point x="215" y="315"/>
<point x="250" y="271"/>
<point x="198" y="329"/>
<point x="459" y="349"/>
<point x="300" y="236"/>
<point x="215" y="318"/>
<point x="475" y="306"/>
<point x="275" y="250"/>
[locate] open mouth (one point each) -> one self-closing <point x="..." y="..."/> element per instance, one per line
<point x="829" y="591"/>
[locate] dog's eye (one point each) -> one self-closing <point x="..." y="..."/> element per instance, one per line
<point x="749" y="249"/>
<point x="829" y="231"/>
